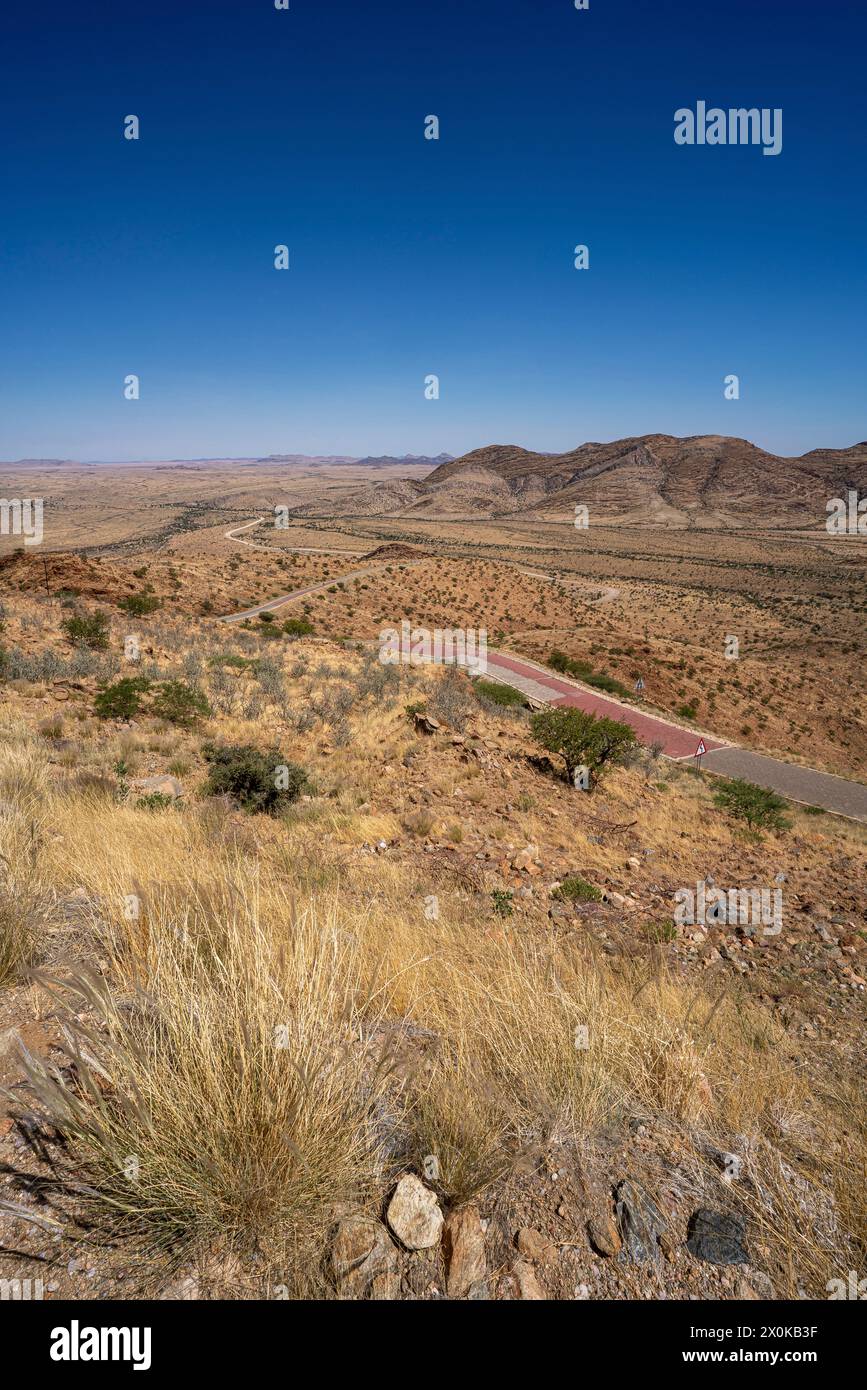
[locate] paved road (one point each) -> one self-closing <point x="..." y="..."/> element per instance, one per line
<point x="676" y="741"/>
<point x="801" y="784"/>
<point x="797" y="783"/>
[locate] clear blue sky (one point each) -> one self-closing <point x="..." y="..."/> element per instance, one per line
<point x="411" y="257"/>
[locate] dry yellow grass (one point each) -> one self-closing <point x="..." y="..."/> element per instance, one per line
<point x="279" y="1023"/>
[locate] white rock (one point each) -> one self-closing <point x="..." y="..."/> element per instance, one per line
<point x="414" y="1214"/>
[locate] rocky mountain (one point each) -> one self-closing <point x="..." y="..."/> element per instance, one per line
<point x="699" y="481"/>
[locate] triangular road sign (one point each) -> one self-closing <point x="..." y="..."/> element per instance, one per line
<point x="700" y="750"/>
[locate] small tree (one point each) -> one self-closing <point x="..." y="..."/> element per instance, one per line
<point x="760" y="808"/>
<point x="583" y="740"/>
<point x="121" y="700"/>
<point x="88" y="630"/>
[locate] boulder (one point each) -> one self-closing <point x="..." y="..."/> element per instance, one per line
<point x="162" y="783"/>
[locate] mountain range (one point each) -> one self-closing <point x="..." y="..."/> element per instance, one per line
<point x="655" y="479"/>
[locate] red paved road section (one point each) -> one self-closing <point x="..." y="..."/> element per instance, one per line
<point x="676" y="742"/>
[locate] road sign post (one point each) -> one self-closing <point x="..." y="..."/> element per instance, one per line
<point x="699" y="752"/>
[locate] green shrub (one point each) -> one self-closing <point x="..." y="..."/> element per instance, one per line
<point x="258" y="781"/>
<point x="574" y="889"/>
<point x="583" y="671"/>
<point x="121" y="700"/>
<point x="760" y="808"/>
<point x="498" y="694"/>
<point x="154" y="801"/>
<point x="660" y="932"/>
<point x="297" y="627"/>
<point x="88" y="630"/>
<point x="502" y="901"/>
<point x="600" y="681"/>
<point x="582" y="739"/>
<point x="138" y="605"/>
<point x="180" y="704"/>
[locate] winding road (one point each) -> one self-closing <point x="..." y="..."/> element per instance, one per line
<point x="804" y="785"/>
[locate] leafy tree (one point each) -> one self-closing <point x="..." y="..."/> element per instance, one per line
<point x="583" y="740"/>
<point x="760" y="808"/>
<point x="88" y="630"/>
<point x="257" y="780"/>
<point x="180" y="704"/>
<point x="121" y="700"/>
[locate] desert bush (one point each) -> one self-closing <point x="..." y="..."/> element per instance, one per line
<point x="298" y="627"/>
<point x="451" y="699"/>
<point x="180" y="704"/>
<point x="760" y="808"/>
<point x="584" y="671"/>
<point x="577" y="890"/>
<point x="497" y="694"/>
<point x="155" y="801"/>
<point x="139" y="605"/>
<point x="269" y="674"/>
<point x="419" y="823"/>
<point x="121" y="700"/>
<point x="193" y="669"/>
<point x="265" y="782"/>
<point x="88" y="630"/>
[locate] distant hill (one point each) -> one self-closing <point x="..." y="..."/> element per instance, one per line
<point x="291" y="460"/>
<point x="655" y="479"/>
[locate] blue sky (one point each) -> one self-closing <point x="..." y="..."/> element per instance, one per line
<point x="411" y="257"/>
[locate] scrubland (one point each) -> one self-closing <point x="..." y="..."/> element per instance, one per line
<point x="240" y="1028"/>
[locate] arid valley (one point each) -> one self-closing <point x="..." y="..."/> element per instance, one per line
<point x="274" y="910"/>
